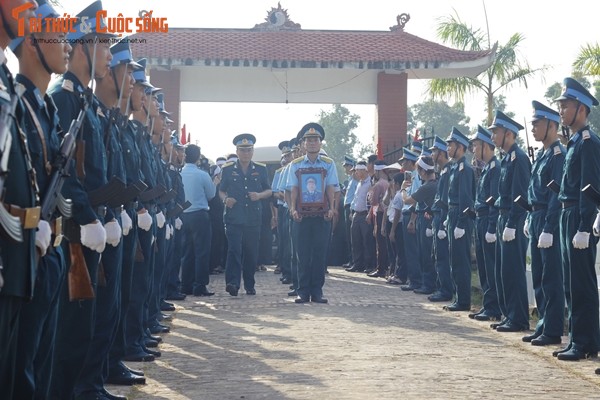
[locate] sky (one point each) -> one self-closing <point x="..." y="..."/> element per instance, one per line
<point x="547" y="43"/>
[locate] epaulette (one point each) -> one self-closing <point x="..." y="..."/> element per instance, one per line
<point x="67" y="85"/>
<point x="297" y="160"/>
<point x="228" y="164"/>
<point x="260" y="164"/>
<point x="326" y="159"/>
<point x="279" y="169"/>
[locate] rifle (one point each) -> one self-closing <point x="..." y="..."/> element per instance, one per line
<point x="554" y="186"/>
<point x="592" y="193"/>
<point x="10" y="226"/>
<point x="469" y="212"/>
<point x="530" y="149"/>
<point x="520" y="200"/>
<point x="178" y="209"/>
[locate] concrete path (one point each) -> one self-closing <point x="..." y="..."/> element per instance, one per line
<point x="372" y="341"/>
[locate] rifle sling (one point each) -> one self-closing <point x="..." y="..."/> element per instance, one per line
<point x="38" y="127"/>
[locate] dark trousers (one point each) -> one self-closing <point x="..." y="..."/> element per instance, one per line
<point x="196" y="250"/>
<point x="108" y="312"/>
<point x="77" y="320"/>
<point x="157" y="279"/>
<point x="411" y="250"/>
<point x="348" y="229"/>
<point x="381" y="245"/>
<point x="242" y="254"/>
<point x="363" y="242"/>
<point x="585" y="332"/>
<point x="486" y="267"/>
<point x="547" y="278"/>
<point x="510" y="269"/>
<point x="428" y="273"/>
<point x="174" y="259"/>
<point x="10" y="308"/>
<point x="401" y="269"/>
<point x="441" y="251"/>
<point x="283" y="229"/>
<point x="460" y="257"/>
<point x="313" y="240"/>
<point x="391" y="248"/>
<point x="293" y="250"/>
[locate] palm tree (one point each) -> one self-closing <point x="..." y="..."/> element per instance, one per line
<point x="588" y="60"/>
<point x="507" y="69"/>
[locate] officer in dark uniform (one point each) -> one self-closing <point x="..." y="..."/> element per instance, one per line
<point x="88" y="61"/>
<point x="37" y="323"/>
<point x="582" y="168"/>
<point x="511" y="244"/>
<point x="313" y="230"/>
<point x="461" y="194"/>
<point x="445" y="286"/>
<point x="485" y="223"/>
<point x="546" y="268"/>
<point x="243" y="184"/>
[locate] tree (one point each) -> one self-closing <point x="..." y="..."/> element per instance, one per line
<point x="440" y="117"/>
<point x="340" y="139"/>
<point x="507" y="69"/>
<point x="588" y="60"/>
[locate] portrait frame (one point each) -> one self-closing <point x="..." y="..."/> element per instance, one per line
<point x="311" y="202"/>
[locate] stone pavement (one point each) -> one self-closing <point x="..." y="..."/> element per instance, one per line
<point x="372" y="341"/>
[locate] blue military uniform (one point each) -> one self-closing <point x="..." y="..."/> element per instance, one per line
<point x="243" y="220"/>
<point x="461" y="194"/>
<point x="312" y="231"/>
<point x="444" y="287"/>
<point x="283" y="223"/>
<point x="546" y="268"/>
<point x="485" y="223"/>
<point x="411" y="247"/>
<point x="511" y="284"/>
<point x="581" y="168"/>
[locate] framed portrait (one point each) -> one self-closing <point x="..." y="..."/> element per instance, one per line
<point x="311" y="199"/>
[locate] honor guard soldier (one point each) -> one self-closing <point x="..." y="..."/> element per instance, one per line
<point x="313" y="229"/>
<point x="543" y="228"/>
<point x="38" y="318"/>
<point x="515" y="170"/>
<point x="486" y="219"/>
<point x="461" y="194"/>
<point x="578" y="247"/>
<point x="445" y="286"/>
<point x="243" y="184"/>
<point x="348" y="165"/>
<point x="89" y="60"/>
<point x="283" y="225"/>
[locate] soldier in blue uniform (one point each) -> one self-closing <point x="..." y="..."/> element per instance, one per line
<point x="17" y="260"/>
<point x="38" y="319"/>
<point x="461" y="194"/>
<point x="582" y="168"/>
<point x="88" y="61"/>
<point x="485" y="224"/>
<point x="283" y="226"/>
<point x="511" y="244"/>
<point x="313" y="230"/>
<point x="243" y="184"/>
<point x="542" y="225"/>
<point x="444" y="289"/>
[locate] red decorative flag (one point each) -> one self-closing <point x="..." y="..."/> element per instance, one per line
<point x="416" y="138"/>
<point x="183" y="135"/>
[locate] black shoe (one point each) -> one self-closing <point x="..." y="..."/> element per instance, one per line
<point x="597" y="371"/>
<point x="292" y="287"/>
<point x="575" y="354"/>
<point x="154" y="337"/>
<point x="369" y="271"/>
<point x="408" y="288"/>
<point x="456" y="307"/>
<point x="355" y="269"/>
<point x="251" y="292"/>
<point x="301" y="299"/>
<point x="150" y="343"/>
<point x="484" y="316"/>
<point x="202" y="291"/>
<point x="123" y="366"/>
<point x="510" y="327"/>
<point x="155" y="353"/>
<point x="347" y="265"/>
<point x="473" y="314"/>
<point x="555" y="353"/>
<point x="377" y="274"/>
<point x="495" y="325"/>
<point x="438" y="297"/>
<point x="111" y="396"/>
<point x="529" y="338"/>
<point x="139" y="357"/>
<point x="544" y="340"/>
<point x="231" y="289"/>
<point x="277" y="270"/>
<point x="318" y="299"/>
<point x="125" y="378"/>
<point x="165" y="317"/>
<point x="91" y="396"/>
<point x="423" y="290"/>
<point x="159" y="329"/>
<point x="286" y="281"/>
<point x="176" y="297"/>
<point x="164" y="306"/>
<point x="292" y="293"/>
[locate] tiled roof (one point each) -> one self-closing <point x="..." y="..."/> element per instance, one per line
<point x="299" y="48"/>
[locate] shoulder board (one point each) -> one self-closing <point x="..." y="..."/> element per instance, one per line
<point x="67" y="85"/>
<point x="585" y="134"/>
<point x="326" y="159"/>
<point x="513" y="155"/>
<point x="297" y="160"/>
<point x="492" y="164"/>
<point x="557" y="150"/>
<point x="279" y="169"/>
<point x="259" y="164"/>
<point x="461" y="166"/>
<point x="227" y="164"/>
<point x="100" y="113"/>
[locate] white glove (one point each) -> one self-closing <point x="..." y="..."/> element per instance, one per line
<point x="113" y="233"/>
<point x="597" y="225"/>
<point x="490" y="237"/>
<point x="43" y="236"/>
<point x="126" y="222"/>
<point x="168" y="232"/>
<point x="458" y="233"/>
<point x="145" y="221"/>
<point x="545" y="240"/>
<point x="441" y="234"/>
<point x="160" y="220"/>
<point x="526" y="228"/>
<point x="428" y="232"/>
<point x="93" y="236"/>
<point x="178" y="223"/>
<point x="445" y="223"/>
<point x="509" y="234"/>
<point x="581" y="240"/>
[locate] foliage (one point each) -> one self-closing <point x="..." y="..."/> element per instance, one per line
<point x="439" y="117"/>
<point x="588" y="60"/>
<point x="340" y="139"/>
